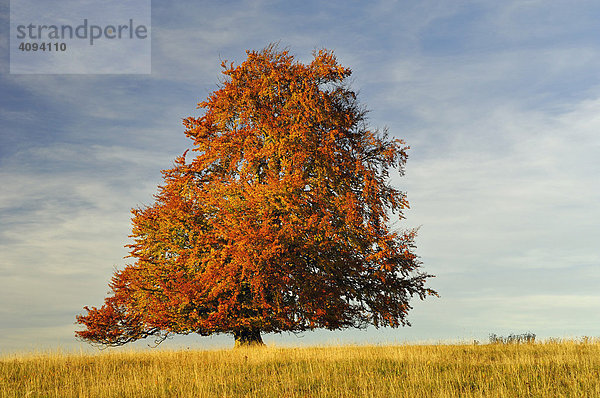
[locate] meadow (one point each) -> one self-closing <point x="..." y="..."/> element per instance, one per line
<point x="543" y="369"/>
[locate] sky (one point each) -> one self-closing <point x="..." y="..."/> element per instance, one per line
<point x="499" y="102"/>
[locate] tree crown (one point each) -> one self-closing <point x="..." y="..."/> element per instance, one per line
<point x="279" y="221"/>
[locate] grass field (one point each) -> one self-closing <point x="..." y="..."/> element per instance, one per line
<point x="550" y="369"/>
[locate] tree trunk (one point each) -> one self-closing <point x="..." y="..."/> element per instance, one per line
<point x="247" y="338"/>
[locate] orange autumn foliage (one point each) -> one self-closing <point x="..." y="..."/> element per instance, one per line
<point x="278" y="222"/>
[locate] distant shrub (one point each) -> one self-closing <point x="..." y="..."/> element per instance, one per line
<point x="513" y="338"/>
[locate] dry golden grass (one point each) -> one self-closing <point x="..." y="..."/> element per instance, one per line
<point x="554" y="369"/>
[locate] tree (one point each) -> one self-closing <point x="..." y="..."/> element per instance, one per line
<point x="279" y="222"/>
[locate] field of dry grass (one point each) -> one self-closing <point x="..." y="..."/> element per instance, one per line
<point x="550" y="369"/>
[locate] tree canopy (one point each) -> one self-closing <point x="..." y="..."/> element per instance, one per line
<point x="279" y="220"/>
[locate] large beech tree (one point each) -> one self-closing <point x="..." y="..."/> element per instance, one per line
<point x="277" y="220"/>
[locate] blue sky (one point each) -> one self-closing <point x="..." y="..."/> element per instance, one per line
<point x="499" y="101"/>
